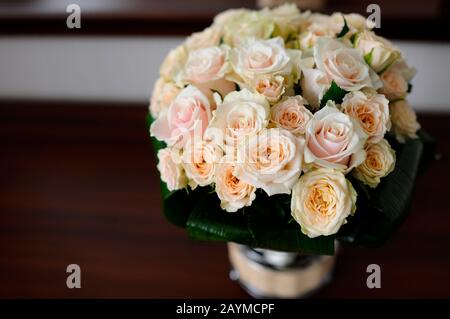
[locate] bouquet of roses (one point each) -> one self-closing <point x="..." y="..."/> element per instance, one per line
<point x="286" y="130"/>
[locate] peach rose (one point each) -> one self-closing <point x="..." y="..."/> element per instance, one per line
<point x="379" y="162"/>
<point x="291" y="115"/>
<point x="272" y="87"/>
<point x="207" y="38"/>
<point x="404" y="121"/>
<point x="200" y="159"/>
<point x="163" y="94"/>
<point x="316" y="26"/>
<point x="371" y="110"/>
<point x="172" y="66"/>
<point x="334" y="140"/>
<point x="188" y="114"/>
<point x="271" y="160"/>
<point x="394" y="84"/>
<point x="170" y="168"/>
<point x="232" y="192"/>
<point x="321" y="201"/>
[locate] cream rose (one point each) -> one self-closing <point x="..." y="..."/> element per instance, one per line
<point x="344" y="65"/>
<point x="172" y="66"/>
<point x="380" y="52"/>
<point x="379" y="162"/>
<point x="291" y="115"/>
<point x="210" y="37"/>
<point x="188" y="115"/>
<point x="271" y="87"/>
<point x="170" y="168"/>
<point x="287" y="19"/>
<point x="404" y="121"/>
<point x="200" y="159"/>
<point x="243" y="25"/>
<point x="163" y="94"/>
<point x="271" y="160"/>
<point x="321" y="201"/>
<point x="229" y="15"/>
<point x="232" y="192"/>
<point x="241" y="114"/>
<point x="334" y="140"/>
<point x="371" y="110"/>
<point x="257" y="57"/>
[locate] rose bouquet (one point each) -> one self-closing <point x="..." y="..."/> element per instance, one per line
<point x="286" y="130"/>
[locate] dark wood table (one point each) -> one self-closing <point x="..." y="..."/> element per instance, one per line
<point x="78" y="184"/>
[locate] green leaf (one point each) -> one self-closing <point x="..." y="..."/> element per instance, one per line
<point x="265" y="224"/>
<point x="381" y="210"/>
<point x="344" y="29"/>
<point x="334" y="93"/>
<point x="368" y="57"/>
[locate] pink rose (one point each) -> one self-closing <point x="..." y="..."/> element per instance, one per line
<point x="334" y="140"/>
<point x="188" y="115"/>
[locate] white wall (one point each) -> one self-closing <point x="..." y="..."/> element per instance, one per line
<point x="125" y="68"/>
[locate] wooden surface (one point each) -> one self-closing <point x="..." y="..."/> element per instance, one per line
<point x="78" y="184"/>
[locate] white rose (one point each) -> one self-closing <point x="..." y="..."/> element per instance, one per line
<point x="257" y="57"/>
<point x="163" y="94"/>
<point x="188" y="115"/>
<point x="247" y="24"/>
<point x="200" y="159"/>
<point x="344" y="65"/>
<point x="271" y="87"/>
<point x="172" y="66"/>
<point x="334" y="140"/>
<point x="321" y="201"/>
<point x="379" y="162"/>
<point x="232" y="192"/>
<point x="380" y="52"/>
<point x="170" y="168"/>
<point x="291" y="114"/>
<point x="271" y="160"/>
<point x="207" y="38"/>
<point x="404" y="121"/>
<point x="241" y="114"/>
<point x="371" y="110"/>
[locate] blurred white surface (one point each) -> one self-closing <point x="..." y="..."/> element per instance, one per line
<point x="125" y="68"/>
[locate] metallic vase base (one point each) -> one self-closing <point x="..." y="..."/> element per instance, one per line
<point x="268" y="274"/>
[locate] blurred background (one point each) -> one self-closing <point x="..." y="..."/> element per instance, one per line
<point x="78" y="179"/>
